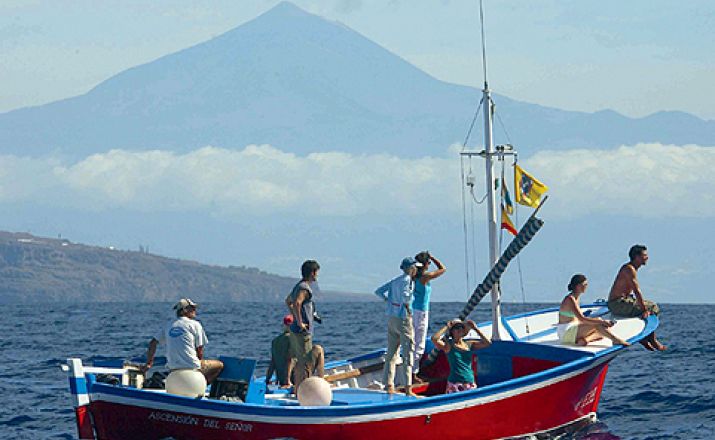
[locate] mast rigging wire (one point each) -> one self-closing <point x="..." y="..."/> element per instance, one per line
<point x="503" y="127"/>
<point x="464" y="199"/>
<point x="464" y="224"/>
<point x="518" y="262"/>
<point x="471" y="126"/>
<point x="474" y="197"/>
<point x="474" y="236"/>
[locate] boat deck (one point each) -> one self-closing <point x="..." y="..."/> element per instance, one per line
<point x="541" y="328"/>
<point x="341" y="397"/>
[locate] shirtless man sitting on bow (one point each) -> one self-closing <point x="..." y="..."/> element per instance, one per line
<point x="626" y="298"/>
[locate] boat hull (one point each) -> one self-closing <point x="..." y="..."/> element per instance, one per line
<point x="483" y="414"/>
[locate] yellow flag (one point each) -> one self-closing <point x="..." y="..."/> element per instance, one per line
<point x="527" y="188"/>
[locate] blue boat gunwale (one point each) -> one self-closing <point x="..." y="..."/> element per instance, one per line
<point x="348" y="410"/>
<point x="584" y="361"/>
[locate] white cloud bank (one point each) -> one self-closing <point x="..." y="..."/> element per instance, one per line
<point x="646" y="180"/>
<point x="642" y="180"/>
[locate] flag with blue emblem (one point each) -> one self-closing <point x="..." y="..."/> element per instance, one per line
<point x="527" y="188"/>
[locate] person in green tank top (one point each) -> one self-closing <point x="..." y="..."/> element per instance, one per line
<point x="459" y="353"/>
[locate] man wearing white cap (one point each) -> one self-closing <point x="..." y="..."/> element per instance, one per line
<point x="397" y="293"/>
<point x="185" y="339"/>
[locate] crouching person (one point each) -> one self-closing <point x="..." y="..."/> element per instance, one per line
<point x="459" y="353"/>
<point x="185" y="339"/>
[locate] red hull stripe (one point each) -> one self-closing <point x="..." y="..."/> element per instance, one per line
<point x="570" y="399"/>
<point x="339" y="414"/>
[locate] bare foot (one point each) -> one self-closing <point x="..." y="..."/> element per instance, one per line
<point x="417" y="380"/>
<point x="390" y="389"/>
<point x="408" y="392"/>
<point x="621" y="342"/>
<point x="660" y="347"/>
<point x="647" y="345"/>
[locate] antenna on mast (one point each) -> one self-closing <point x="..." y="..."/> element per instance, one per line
<point x="484" y="42"/>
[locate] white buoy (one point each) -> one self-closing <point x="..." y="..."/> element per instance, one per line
<point x="189" y="383"/>
<point x="315" y="391"/>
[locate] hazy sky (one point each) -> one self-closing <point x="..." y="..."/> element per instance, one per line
<point x="636" y="57"/>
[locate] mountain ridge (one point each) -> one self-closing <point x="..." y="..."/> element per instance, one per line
<point x="304" y="84"/>
<point x="40" y="269"/>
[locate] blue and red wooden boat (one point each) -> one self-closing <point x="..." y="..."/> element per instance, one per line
<point x="528" y="383"/>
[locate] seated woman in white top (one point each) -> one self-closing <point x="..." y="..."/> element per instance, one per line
<point x="573" y="326"/>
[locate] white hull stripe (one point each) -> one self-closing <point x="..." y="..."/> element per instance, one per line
<point x="305" y="418"/>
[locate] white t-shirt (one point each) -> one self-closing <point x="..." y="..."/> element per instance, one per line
<point x="182" y="337"/>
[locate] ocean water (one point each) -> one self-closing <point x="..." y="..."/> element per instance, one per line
<point x="668" y="395"/>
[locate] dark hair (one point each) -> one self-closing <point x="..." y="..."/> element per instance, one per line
<point x="181" y="312"/>
<point x="308" y="267"/>
<point x="459" y="324"/>
<point x="422" y="257"/>
<point x="636" y="250"/>
<point x="575" y="281"/>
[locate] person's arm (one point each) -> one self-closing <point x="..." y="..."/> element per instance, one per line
<point x="427" y="276"/>
<point x="382" y="290"/>
<point x="637" y="291"/>
<point x="200" y="339"/>
<point x="578" y="313"/>
<point x="406" y="294"/>
<point x="437" y="338"/>
<point x="484" y="341"/>
<point x="297" y="304"/>
<point x="150" y="353"/>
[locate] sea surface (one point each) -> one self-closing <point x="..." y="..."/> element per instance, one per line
<point x="668" y="395"/>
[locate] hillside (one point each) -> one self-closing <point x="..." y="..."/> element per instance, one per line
<point x="38" y="269"/>
<point x="305" y="84"/>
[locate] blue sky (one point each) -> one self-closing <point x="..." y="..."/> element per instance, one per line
<point x="635" y="57"/>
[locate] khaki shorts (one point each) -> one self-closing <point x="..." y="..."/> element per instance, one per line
<point x="629" y="307"/>
<point x="301" y="346"/>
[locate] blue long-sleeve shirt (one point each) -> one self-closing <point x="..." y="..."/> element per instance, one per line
<point x="398" y="294"/>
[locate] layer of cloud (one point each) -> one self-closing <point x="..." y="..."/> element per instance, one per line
<point x="642" y="180"/>
<point x="646" y="180"/>
<point x="255" y="180"/>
